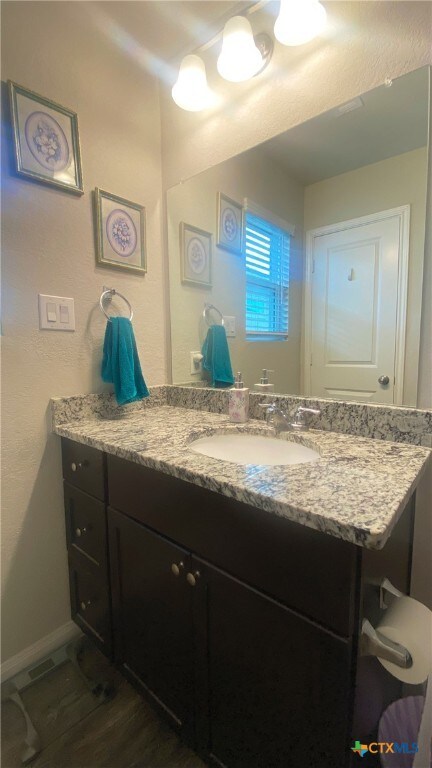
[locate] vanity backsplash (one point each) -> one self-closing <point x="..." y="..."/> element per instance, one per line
<point x="400" y="425"/>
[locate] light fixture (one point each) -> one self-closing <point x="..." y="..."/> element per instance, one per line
<point x="191" y="91"/>
<point x="299" y="21"/>
<point x="239" y="58"/>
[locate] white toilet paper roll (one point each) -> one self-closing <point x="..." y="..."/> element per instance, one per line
<point x="409" y="623"/>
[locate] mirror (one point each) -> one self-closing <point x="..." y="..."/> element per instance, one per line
<point x="326" y="288"/>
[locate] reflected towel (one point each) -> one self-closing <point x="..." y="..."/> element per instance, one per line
<point x="120" y="362"/>
<point x="216" y="357"/>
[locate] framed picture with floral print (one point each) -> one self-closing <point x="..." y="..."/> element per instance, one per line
<point x="46" y="140"/>
<point x="195" y="254"/>
<point x="229" y="224"/>
<point x="120" y="233"/>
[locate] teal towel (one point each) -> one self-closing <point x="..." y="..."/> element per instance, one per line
<point x="120" y="361"/>
<point x="216" y="357"/>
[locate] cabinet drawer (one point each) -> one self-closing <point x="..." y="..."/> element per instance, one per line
<point x="90" y="600"/>
<point x="83" y="467"/>
<point x="86" y="524"/>
<point x="307" y="570"/>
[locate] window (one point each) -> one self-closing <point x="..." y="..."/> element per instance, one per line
<point x="267" y="278"/>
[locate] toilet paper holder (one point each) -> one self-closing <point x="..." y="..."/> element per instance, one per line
<point x="374" y="643"/>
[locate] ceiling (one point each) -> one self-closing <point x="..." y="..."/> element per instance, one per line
<point x="391" y="121"/>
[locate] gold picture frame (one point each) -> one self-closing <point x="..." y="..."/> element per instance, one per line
<point x="229" y="219"/>
<point x="46" y="140"/>
<point x="120" y="233"/>
<point x="195" y="255"/>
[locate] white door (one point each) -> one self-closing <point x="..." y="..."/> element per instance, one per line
<point x="356" y="307"/>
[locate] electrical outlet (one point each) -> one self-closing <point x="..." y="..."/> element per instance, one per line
<point x="196" y="362"/>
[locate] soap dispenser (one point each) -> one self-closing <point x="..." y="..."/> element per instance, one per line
<point x="238" y="405"/>
<point x="264" y="385"/>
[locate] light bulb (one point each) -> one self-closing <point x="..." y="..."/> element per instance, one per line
<point x="299" y="21"/>
<point x="239" y="58"/>
<point x="191" y="91"/>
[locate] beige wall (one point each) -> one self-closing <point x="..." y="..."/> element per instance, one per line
<point x="254" y="176"/>
<point x="388" y="184"/>
<point x="55" y="49"/>
<point x="366" y="43"/>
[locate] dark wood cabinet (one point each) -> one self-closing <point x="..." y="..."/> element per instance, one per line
<point x="152" y="606"/>
<point x="241" y="627"/>
<point x="86" y="536"/>
<point x="90" y="600"/>
<point x="277" y="683"/>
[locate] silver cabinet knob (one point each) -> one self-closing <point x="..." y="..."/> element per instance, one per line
<point x="176" y="568"/>
<point x="76" y="465"/>
<point x="80" y="531"/>
<point x="383" y="380"/>
<point x="84" y="605"/>
<point x="192" y="578"/>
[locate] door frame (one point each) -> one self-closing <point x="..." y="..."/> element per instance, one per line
<point x="403" y="214"/>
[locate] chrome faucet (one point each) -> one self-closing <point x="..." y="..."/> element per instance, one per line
<point x="301" y="417"/>
<point x="283" y="422"/>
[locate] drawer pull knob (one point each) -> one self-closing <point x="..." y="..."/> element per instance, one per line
<point x="76" y="465"/>
<point x="80" y="531"/>
<point x="192" y="578"/>
<point x="177" y="568"/>
<point x="84" y="605"/>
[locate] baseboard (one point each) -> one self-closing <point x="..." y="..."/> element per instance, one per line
<point x="36" y="652"/>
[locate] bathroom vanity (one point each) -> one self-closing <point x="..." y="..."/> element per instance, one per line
<point x="236" y="613"/>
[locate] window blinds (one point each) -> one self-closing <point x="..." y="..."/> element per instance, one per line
<point x="267" y="277"/>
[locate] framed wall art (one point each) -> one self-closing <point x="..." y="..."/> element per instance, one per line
<point x="120" y="233"/>
<point x="46" y="140"/>
<point x="229" y="224"/>
<point x="195" y="255"/>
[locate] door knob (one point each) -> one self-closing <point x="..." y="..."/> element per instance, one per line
<point x="383" y="380"/>
<point x="80" y="531"/>
<point x="192" y="578"/>
<point x="176" y="568"/>
<point x="85" y="604"/>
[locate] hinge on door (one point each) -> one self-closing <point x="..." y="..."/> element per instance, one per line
<point x="313" y="266"/>
<point x="310" y="360"/>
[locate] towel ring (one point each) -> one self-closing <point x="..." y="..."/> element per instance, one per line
<point x="207" y="308"/>
<point x="113" y="292"/>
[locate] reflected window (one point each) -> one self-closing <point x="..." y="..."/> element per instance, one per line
<point x="267" y="251"/>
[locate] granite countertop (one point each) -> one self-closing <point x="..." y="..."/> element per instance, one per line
<point x="356" y="491"/>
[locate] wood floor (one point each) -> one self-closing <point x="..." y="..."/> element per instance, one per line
<point x="78" y="732"/>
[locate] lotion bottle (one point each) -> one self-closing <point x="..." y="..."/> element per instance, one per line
<point x="238" y="404"/>
<point x="264" y="385"/>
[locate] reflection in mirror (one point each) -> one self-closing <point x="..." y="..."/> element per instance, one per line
<point x="312" y="249"/>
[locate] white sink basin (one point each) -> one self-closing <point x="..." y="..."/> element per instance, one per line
<point x="244" y="448"/>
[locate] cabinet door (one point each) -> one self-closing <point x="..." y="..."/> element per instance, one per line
<point x="152" y="616"/>
<point x="276" y="685"/>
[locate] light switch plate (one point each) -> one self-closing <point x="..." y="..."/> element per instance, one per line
<point x="56" y="313"/>
<point x="230" y="325"/>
